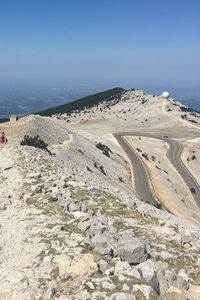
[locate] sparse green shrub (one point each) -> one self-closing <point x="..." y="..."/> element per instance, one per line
<point x="145" y="156"/>
<point x="193" y="157"/>
<point x="104" y="148"/>
<point x="143" y="101"/>
<point x="158" y="167"/>
<point x="188" y="109"/>
<point x="79" y="150"/>
<point x="193" y="191"/>
<point x="158" y="205"/>
<point x="34" y="142"/>
<point x="121" y="179"/>
<point x="184" y="116"/>
<point x="102" y="170"/>
<point x="153" y="158"/>
<point x="193" y="121"/>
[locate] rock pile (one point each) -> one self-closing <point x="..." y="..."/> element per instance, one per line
<point x="65" y="238"/>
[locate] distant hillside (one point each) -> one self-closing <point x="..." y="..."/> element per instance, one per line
<point x="4" y="120"/>
<point x="87" y="102"/>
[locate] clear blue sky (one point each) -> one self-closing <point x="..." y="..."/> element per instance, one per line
<point x="139" y="41"/>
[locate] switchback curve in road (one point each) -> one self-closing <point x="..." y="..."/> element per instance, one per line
<point x="142" y="184"/>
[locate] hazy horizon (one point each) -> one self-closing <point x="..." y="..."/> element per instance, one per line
<point x="89" y="46"/>
<point x="29" y="96"/>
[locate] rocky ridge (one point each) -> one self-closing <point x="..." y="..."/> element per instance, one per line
<point x="134" y="109"/>
<point x="63" y="238"/>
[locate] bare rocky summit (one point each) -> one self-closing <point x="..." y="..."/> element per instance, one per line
<point x="72" y="227"/>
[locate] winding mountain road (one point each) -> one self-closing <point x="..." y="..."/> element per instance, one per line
<point x="142" y="184"/>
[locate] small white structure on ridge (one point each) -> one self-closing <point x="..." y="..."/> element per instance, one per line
<point x="13" y="119"/>
<point x="165" y="95"/>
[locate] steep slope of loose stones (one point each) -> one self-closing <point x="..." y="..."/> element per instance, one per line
<point x="63" y="238"/>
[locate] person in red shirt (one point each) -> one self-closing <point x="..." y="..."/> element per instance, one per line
<point x="3" y="139"/>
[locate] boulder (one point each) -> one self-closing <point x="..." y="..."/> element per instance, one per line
<point x="122" y="267"/>
<point x="183" y="274"/>
<point x="121" y="296"/>
<point x="110" y="271"/>
<point x="149" y="274"/>
<point x="163" y="284"/>
<point x="80" y="266"/>
<point x="102" y="266"/>
<point x="134" y="273"/>
<point x="125" y="287"/>
<point x="98" y="295"/>
<point x="33" y="175"/>
<point x="186" y="240"/>
<point x="81" y="215"/>
<point x="171" y="284"/>
<point x="107" y="285"/>
<point x="133" y="251"/>
<point x="90" y="285"/>
<point x="85" y="225"/>
<point x="146" y="290"/>
<point x="121" y="278"/>
<point x="73" y="206"/>
<point x="103" y="243"/>
<point x="39" y="188"/>
<point x="181" y="283"/>
<point x="96" y="229"/>
<point x="84" y="295"/>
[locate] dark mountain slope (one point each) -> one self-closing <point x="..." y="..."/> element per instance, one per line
<point x="88" y="102"/>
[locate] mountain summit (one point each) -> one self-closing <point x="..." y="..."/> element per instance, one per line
<point x="87" y="102"/>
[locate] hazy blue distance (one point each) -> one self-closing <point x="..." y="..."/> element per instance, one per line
<point x="25" y="97"/>
<point x="152" y="45"/>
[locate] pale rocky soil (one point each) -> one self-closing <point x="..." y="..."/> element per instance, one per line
<point x="168" y="185"/>
<point x="180" y="111"/>
<point x="136" y="111"/>
<point x="70" y="224"/>
<point x="191" y="157"/>
<point x="51" y="131"/>
<point x="57" y="234"/>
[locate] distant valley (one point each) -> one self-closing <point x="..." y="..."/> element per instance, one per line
<point x="26" y="102"/>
